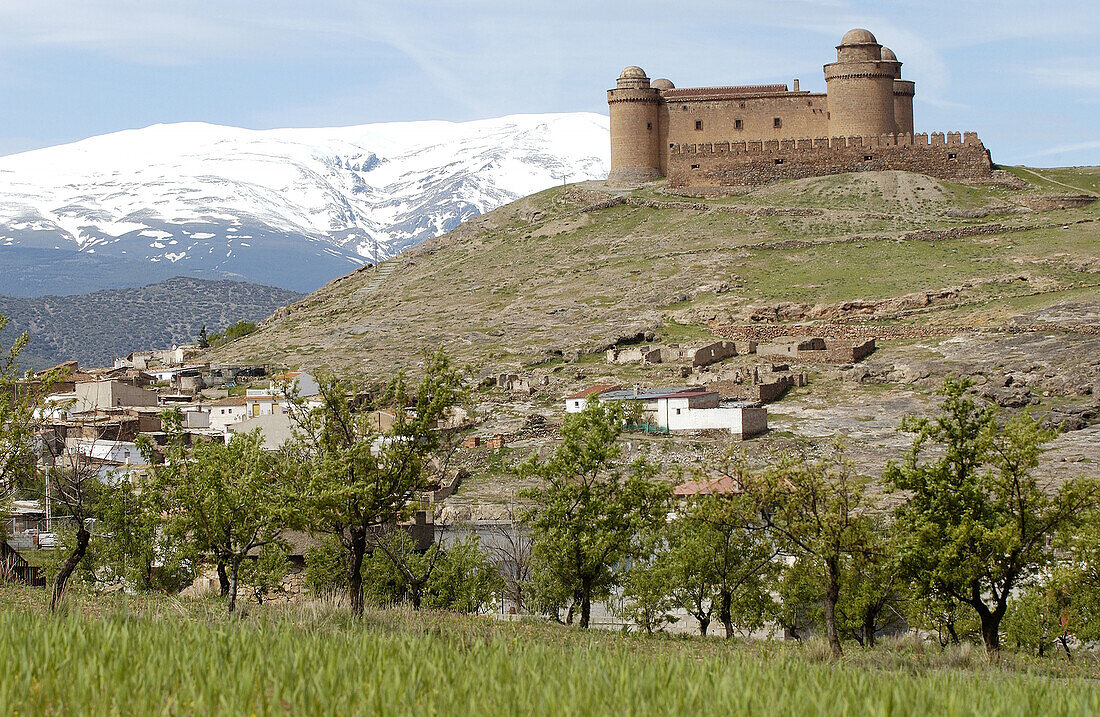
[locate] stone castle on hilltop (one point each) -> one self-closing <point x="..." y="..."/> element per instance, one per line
<point x="754" y="134"/>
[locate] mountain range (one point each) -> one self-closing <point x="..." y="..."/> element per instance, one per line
<point x="291" y="208"/>
<point x="96" y="328"/>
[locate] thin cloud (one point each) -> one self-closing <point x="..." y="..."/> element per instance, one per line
<point x="1065" y="149"/>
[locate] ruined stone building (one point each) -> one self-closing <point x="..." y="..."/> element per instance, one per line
<point x="754" y="134"/>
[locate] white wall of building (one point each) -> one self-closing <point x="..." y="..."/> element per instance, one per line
<point x="738" y="420"/>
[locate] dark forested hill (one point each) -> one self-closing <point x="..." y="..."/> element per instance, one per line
<point x="95" y="328"/>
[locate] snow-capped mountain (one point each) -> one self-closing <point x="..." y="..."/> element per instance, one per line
<point x="286" y="207"/>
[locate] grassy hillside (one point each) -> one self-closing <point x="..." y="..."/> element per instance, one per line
<point x="556" y="274"/>
<point x="95" y="328"/>
<point x="119" y="656"/>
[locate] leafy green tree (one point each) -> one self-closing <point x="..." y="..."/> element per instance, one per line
<point x="798" y="589"/>
<point x="265" y="573"/>
<point x="231" y="498"/>
<point x="131" y="541"/>
<point x="589" y="514"/>
<point x="648" y="598"/>
<point x="976" y="524"/>
<point x="1078" y="575"/>
<point x="872" y="588"/>
<point x="952" y="622"/>
<point x="1041" y="615"/>
<point x="691" y="579"/>
<point x="326" y="567"/>
<point x="18" y="401"/>
<point x="817" y="511"/>
<point x="415" y="568"/>
<point x="358" y="478"/>
<point x="464" y="579"/>
<point x="722" y="559"/>
<point x="384" y="584"/>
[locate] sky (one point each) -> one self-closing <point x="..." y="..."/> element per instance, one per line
<point x="1024" y="75"/>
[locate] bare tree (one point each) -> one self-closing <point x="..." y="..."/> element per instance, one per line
<point x="73" y="455"/>
<point x="510" y="547"/>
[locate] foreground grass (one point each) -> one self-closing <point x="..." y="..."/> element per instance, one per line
<point x="113" y="656"/>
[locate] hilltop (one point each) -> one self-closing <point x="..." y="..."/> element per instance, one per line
<point x="574" y="270"/>
<point x="996" y="282"/>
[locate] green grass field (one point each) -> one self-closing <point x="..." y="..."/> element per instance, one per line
<point x="113" y="655"/>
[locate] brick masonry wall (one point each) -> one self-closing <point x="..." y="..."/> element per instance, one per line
<point x="953" y="156"/>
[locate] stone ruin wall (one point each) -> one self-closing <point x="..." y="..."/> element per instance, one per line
<point x="955" y="156"/>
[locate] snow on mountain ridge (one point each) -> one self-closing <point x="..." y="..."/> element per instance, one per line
<point x="182" y="193"/>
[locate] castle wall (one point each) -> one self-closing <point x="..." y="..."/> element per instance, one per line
<point x="800" y="115"/>
<point x="954" y="157"/>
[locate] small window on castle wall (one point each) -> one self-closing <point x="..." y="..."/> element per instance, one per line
<point x="742" y="105"/>
<point x="695" y="166"/>
<point x="866" y="158"/>
<point x="698" y="124"/>
<point x="739" y="124"/>
<point x="672" y="145"/>
<point x="776" y="122"/>
<point x="952" y="155"/>
<point x="779" y="161"/>
<point x="649" y="125"/>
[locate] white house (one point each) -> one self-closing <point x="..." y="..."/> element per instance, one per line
<point x="260" y="403"/>
<point x="227" y="411"/>
<point x="693" y="409"/>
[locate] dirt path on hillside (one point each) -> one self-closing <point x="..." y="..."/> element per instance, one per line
<point x="1055" y="181"/>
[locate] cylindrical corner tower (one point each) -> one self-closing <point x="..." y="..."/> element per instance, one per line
<point x="633" y="106"/>
<point x="903" y="95"/>
<point x="861" y="87"/>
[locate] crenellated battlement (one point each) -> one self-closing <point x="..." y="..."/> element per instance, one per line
<point x="958" y="156"/>
<point x="771" y="146"/>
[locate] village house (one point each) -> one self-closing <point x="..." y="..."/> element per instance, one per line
<point x="574" y="402"/>
<point x="687" y="408"/>
<point x="226" y="411"/>
<point x="97" y="394"/>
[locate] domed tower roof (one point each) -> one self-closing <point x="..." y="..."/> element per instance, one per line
<point x="632" y="78"/>
<point x="662" y="84"/>
<point x="858" y="36"/>
<point x="889" y="56"/>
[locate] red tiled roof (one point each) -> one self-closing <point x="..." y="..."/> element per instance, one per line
<point x="597" y="389"/>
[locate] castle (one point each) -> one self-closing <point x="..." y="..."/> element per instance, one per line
<point x="754" y="134"/>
